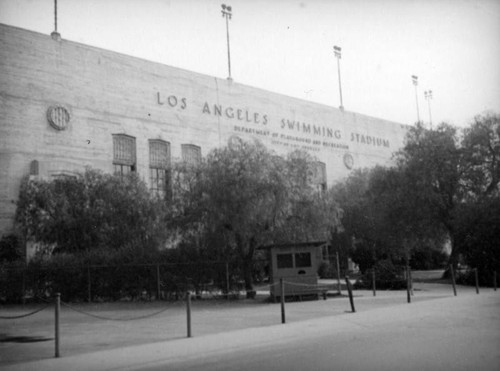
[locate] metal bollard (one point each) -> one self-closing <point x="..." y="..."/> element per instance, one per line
<point x="408" y="284"/>
<point x="349" y="290"/>
<point x="476" y="278"/>
<point x="57" y="310"/>
<point x="374" y="288"/>
<point x="282" y="289"/>
<point x="188" y="309"/>
<point x="453" y="280"/>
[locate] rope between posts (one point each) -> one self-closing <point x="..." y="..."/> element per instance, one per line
<point x="25" y="315"/>
<point x="113" y="319"/>
<point x="268" y="287"/>
<point x="308" y="285"/>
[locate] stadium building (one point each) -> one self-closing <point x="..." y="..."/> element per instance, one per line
<point x="66" y="106"/>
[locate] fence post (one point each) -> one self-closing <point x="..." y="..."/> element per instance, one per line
<point x="23" y="288"/>
<point x="408" y="294"/>
<point x="227" y="281"/>
<point x="158" y="285"/>
<point x="453" y="280"/>
<point x="188" y="309"/>
<point x="57" y="309"/>
<point x="282" y="297"/>
<point x="374" y="288"/>
<point x="349" y="290"/>
<point x="338" y="274"/>
<point x="495" y="280"/>
<point x="89" y="285"/>
<point x="476" y="278"/>
<point x="411" y="280"/>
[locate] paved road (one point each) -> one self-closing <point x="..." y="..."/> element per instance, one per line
<point x="455" y="333"/>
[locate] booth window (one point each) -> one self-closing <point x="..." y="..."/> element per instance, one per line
<point x="191" y="154"/>
<point x="124" y="158"/>
<point x="302" y="259"/>
<point x="285" y="260"/>
<point x="159" y="167"/>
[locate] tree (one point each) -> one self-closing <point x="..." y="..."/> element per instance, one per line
<point x="365" y="201"/>
<point x="91" y="211"/>
<point x="477" y="218"/>
<point x="432" y="165"/>
<point x="481" y="157"/>
<point x="449" y="177"/>
<point x="386" y="215"/>
<point x="247" y="197"/>
<point x="478" y="236"/>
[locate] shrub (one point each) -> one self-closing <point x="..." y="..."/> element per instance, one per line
<point x="326" y="270"/>
<point x="387" y="277"/>
<point x="12" y="281"/>
<point x="10" y="248"/>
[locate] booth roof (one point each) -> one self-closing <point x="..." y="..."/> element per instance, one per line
<point x="294" y="244"/>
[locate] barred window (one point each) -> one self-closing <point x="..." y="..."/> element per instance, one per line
<point x="34" y="168"/>
<point x="191" y="154"/>
<point x="159" y="154"/>
<point x="124" y="157"/>
<point x="159" y="167"/>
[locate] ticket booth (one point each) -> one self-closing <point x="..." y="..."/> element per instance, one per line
<point x="297" y="264"/>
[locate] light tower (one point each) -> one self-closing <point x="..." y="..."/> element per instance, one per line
<point x="337" y="51"/>
<point x="415" y="83"/>
<point x="55" y="35"/>
<point x="428" y="96"/>
<point x="227" y="13"/>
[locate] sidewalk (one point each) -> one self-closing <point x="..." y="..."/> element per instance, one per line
<point x="433" y="311"/>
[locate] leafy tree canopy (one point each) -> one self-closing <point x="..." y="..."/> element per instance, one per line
<point x="90" y="211"/>
<point x="439" y="175"/>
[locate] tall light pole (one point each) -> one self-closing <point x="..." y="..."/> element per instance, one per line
<point x="55" y="35"/>
<point x="428" y="96"/>
<point x="415" y="82"/>
<point x="226" y="12"/>
<point x="337" y="51"/>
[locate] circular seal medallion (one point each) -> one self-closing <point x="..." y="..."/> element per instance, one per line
<point x="348" y="161"/>
<point x="58" y="117"/>
<point x="235" y="142"/>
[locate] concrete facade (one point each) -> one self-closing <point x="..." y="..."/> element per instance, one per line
<point x="61" y="102"/>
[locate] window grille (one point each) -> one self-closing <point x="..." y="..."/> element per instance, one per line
<point x="159" y="154"/>
<point x="191" y="154"/>
<point x="319" y="175"/>
<point x="159" y="167"/>
<point x="124" y="154"/>
<point x="34" y="168"/>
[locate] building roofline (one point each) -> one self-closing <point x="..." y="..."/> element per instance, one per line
<point x="102" y="50"/>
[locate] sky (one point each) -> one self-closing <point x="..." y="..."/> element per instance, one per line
<point x="286" y="46"/>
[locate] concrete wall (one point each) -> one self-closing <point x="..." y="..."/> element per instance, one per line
<point x="108" y="93"/>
